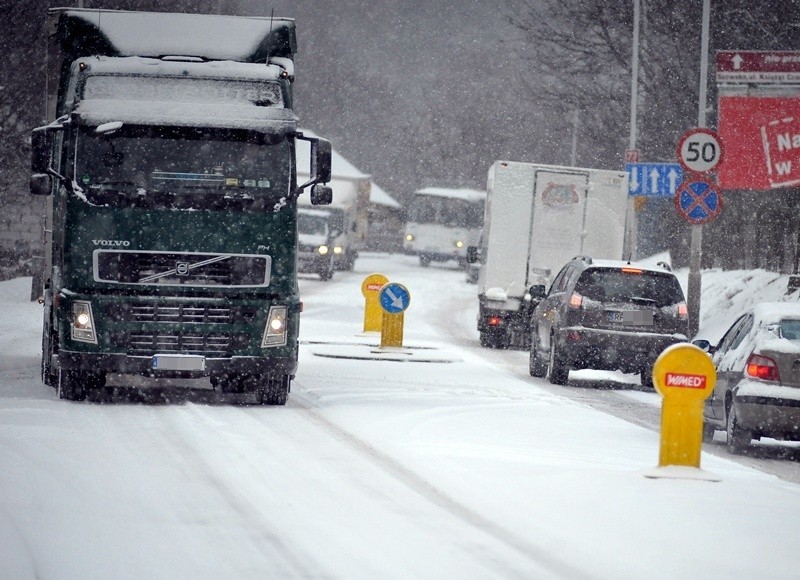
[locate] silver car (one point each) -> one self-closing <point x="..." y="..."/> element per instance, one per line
<point x="758" y="377"/>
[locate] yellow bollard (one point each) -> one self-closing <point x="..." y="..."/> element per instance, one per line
<point x="392" y="329"/>
<point x="394" y="298"/>
<point x="373" y="313"/>
<point x="684" y="376"/>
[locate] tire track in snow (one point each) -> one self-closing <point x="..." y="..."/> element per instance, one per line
<point x="248" y="512"/>
<point x="550" y="565"/>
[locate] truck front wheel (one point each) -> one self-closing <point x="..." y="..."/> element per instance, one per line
<point x="72" y="385"/>
<point x="276" y="390"/>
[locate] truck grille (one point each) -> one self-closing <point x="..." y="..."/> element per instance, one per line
<point x="181" y="313"/>
<point x="180" y="269"/>
<point x="211" y="344"/>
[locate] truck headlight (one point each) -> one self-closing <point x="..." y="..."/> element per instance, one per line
<point x="275" y="332"/>
<point x="82" y="323"/>
<point x="322" y="250"/>
<point x="338" y="250"/>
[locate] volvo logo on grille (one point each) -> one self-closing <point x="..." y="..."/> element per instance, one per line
<point x="182" y="268"/>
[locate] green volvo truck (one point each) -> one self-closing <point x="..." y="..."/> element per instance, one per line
<point x="171" y="230"/>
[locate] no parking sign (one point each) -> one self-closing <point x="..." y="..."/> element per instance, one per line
<point x="698" y="202"/>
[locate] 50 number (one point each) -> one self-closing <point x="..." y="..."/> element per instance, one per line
<point x="706" y="151"/>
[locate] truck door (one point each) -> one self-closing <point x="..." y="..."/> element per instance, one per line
<point x="557" y="221"/>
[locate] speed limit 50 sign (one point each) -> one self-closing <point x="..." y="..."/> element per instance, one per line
<point x="699" y="150"/>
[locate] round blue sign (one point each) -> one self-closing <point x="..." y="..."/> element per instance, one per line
<point x="698" y="202"/>
<point x="394" y="298"/>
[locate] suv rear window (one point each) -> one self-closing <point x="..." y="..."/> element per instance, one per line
<point x="616" y="285"/>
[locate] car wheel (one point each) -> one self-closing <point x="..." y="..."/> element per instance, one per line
<point x="738" y="438"/>
<point x="326" y="274"/>
<point x="557" y="371"/>
<point x="708" y="432"/>
<point x="536" y="367"/>
<point x="646" y="375"/>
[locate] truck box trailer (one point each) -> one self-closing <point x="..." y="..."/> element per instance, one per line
<point x="537" y="218"/>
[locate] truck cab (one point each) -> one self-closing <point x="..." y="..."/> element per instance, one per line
<point x="172" y="204"/>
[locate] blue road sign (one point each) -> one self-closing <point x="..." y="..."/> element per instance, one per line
<point x="698" y="202"/>
<point x="654" y="179"/>
<point x="394" y="298"/>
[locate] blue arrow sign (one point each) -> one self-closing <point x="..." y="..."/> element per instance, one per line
<point x="654" y="179"/>
<point x="394" y="298"/>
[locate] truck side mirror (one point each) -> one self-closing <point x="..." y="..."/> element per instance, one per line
<point x="40" y="184"/>
<point x="321" y="194"/>
<point x="321" y="160"/>
<point x="41" y="146"/>
<point x="472" y="254"/>
<point x="320" y="170"/>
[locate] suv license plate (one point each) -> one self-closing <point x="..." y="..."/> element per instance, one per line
<point x="179" y="362"/>
<point x="631" y="317"/>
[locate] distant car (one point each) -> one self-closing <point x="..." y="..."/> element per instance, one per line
<point x="314" y="242"/>
<point x="606" y="315"/>
<point x="757" y="393"/>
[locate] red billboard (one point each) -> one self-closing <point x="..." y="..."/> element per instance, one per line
<point x="761" y="136"/>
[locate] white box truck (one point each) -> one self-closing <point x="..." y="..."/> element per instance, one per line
<point x="538" y="217"/>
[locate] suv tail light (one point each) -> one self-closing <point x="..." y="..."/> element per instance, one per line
<point x="576" y="300"/>
<point x="762" y="367"/>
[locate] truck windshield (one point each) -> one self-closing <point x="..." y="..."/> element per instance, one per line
<point x="183" y="168"/>
<point x="312" y="224"/>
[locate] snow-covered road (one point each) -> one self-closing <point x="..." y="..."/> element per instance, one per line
<point x="458" y="467"/>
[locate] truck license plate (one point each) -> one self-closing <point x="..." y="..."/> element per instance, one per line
<point x="179" y="362"/>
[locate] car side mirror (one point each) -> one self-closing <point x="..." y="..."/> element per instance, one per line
<point x="537" y="292"/>
<point x="704" y="345"/>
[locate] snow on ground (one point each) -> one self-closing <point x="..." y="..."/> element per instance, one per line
<point x="453" y="468"/>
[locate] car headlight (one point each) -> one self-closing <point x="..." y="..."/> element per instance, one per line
<point x="409" y="237"/>
<point x="323" y="250"/>
<point x="275" y="332"/>
<point x="338" y="250"/>
<point x="459" y="244"/>
<point x="82" y="323"/>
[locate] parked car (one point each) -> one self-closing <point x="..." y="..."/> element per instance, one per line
<point x="757" y="393"/>
<point x="606" y="315"/>
<point x="314" y="242"/>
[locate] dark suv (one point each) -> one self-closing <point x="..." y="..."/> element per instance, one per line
<point x="606" y="315"/>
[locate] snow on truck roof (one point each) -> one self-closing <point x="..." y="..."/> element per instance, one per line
<point x="459" y="193"/>
<point x="179" y="113"/>
<point x="86" y="32"/>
